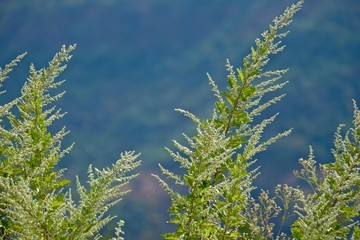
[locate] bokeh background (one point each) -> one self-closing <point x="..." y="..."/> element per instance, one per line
<point x="137" y="60"/>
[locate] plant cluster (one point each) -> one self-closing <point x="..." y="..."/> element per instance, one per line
<point x="33" y="203"/>
<point x="214" y="197"/>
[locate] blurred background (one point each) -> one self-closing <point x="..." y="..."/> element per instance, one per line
<point x="138" y="60"/>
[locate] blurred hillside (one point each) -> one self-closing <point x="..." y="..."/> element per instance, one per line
<point x="138" y="60"/>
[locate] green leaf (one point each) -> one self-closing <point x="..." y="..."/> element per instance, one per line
<point x="253" y="53"/>
<point x="169" y="236"/>
<point x="14" y="122"/>
<point x="220" y="106"/>
<point x="230" y="98"/>
<point x="356" y="233"/>
<point x="297" y="233"/>
<point x="232" y="81"/>
<point x="247" y="92"/>
<point x="204" y="184"/>
<point x="245" y="228"/>
<point x="241" y="75"/>
<point x="189" y="180"/>
<point x="59" y="201"/>
<point x="240" y="117"/>
<point x="219" y="177"/>
<point x="62" y="183"/>
<point x="236" y="141"/>
<point x="348" y="212"/>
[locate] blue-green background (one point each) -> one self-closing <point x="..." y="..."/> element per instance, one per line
<point x="137" y="60"/>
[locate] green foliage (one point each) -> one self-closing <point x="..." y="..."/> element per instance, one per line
<point x="212" y="199"/>
<point x="33" y="203"/>
<point x="329" y="211"/>
<point x="218" y="161"/>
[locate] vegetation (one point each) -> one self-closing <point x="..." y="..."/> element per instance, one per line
<point x="214" y="196"/>
<point x="34" y="204"/>
<point x="219" y="163"/>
